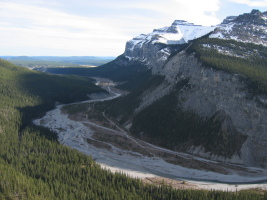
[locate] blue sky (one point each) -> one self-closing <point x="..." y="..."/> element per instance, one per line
<point x="100" y="28"/>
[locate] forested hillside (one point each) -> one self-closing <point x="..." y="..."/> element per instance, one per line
<point x="247" y="59"/>
<point x="34" y="166"/>
<point x="166" y="123"/>
<point x="114" y="70"/>
<point x="173" y="127"/>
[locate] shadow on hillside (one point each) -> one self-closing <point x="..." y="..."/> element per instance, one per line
<point x="43" y="91"/>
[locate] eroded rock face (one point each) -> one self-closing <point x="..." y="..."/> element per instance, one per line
<point x="211" y="94"/>
<point x="214" y="91"/>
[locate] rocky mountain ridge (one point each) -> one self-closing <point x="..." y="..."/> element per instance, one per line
<point x="248" y="27"/>
<point x="238" y="117"/>
<point x="155" y="48"/>
<point x="200" y="90"/>
<point x="222" y="95"/>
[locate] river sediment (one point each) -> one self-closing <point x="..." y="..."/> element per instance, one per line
<point x="115" y="149"/>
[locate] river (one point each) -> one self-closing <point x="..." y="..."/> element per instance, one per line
<point x="141" y="164"/>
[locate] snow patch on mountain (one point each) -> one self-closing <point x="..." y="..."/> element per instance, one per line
<point x="194" y="32"/>
<point x="179" y="32"/>
<point x="248" y="27"/>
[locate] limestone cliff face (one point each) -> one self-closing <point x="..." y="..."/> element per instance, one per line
<point x="224" y="95"/>
<point x="213" y="95"/>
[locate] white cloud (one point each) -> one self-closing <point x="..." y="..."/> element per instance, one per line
<point x="34" y="27"/>
<point x="251" y="3"/>
<point x="59" y="27"/>
<point x="201" y="12"/>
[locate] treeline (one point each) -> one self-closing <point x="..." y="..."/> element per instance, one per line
<point x="247" y="59"/>
<point x="34" y="167"/>
<point x="165" y="124"/>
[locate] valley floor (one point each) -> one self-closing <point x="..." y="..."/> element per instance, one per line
<point x="113" y="148"/>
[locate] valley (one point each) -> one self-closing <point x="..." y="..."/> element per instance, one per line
<point x="83" y="127"/>
<point x="195" y="89"/>
<point x="180" y="114"/>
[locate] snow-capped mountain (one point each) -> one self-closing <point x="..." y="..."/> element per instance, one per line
<point x="154" y="49"/>
<point x="230" y="118"/>
<point x="178" y="33"/>
<point x="248" y="27"/>
<point x="198" y="89"/>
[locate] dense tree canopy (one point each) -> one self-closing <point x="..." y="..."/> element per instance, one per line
<point x="34" y="166"/>
<point x="247" y="59"/>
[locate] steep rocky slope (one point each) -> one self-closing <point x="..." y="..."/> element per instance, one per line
<point x="222" y="96"/>
<point x="215" y="112"/>
<point x="196" y="89"/>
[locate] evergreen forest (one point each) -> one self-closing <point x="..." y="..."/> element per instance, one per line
<point x="33" y="165"/>
<point x="166" y="124"/>
<point x="246" y="59"/>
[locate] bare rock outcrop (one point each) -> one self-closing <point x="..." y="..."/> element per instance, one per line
<point x="215" y="91"/>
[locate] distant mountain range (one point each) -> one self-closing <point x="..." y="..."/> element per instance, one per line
<point x="42" y="62"/>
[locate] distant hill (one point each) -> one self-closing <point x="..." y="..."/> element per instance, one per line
<point x="42" y="62"/>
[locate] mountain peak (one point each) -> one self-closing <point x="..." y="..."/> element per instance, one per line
<point x="179" y="32"/>
<point x="182" y="22"/>
<point x="255" y="12"/>
<point x="248" y="27"/>
<point x="154" y="49"/>
<point x="255" y="17"/>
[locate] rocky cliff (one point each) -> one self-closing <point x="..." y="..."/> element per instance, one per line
<point x="248" y="27"/>
<point x="155" y="48"/>
<point x="231" y="117"/>
<point x="215" y="91"/>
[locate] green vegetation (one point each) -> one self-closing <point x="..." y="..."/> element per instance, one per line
<point x="34" y="166"/>
<point x="32" y="93"/>
<point x="113" y="70"/>
<point x="166" y="124"/>
<point x="236" y="57"/>
<point x="123" y="107"/>
<point x="138" y="79"/>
